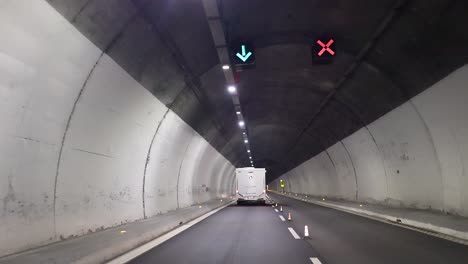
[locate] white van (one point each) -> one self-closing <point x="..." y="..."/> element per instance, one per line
<point x="250" y="185"/>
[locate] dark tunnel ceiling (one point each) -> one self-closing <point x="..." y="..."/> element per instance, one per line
<point x="387" y="52"/>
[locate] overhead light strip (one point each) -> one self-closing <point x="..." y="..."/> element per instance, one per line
<point x="217" y="32"/>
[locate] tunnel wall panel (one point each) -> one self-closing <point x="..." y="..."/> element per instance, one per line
<point x="187" y="190"/>
<point x="215" y="181"/>
<point x="206" y="175"/>
<point x="43" y="64"/>
<point x="110" y="130"/>
<point x="166" y="157"/>
<point x="411" y="166"/>
<point x="369" y="166"/>
<point x="414" y="156"/>
<point x="199" y="180"/>
<point x="77" y="132"/>
<point x="343" y="166"/>
<point x="444" y="109"/>
<point x="226" y="180"/>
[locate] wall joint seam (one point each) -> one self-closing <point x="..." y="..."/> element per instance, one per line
<point x="148" y="160"/>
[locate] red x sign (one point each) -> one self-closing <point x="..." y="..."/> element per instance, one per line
<point x="326" y="47"/>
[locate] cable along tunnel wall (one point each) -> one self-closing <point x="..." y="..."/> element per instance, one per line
<point x="83" y="145"/>
<point x="414" y="156"/>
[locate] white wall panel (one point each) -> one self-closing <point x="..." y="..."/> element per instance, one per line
<point x="217" y="178"/>
<point x="346" y="181"/>
<point x="370" y="169"/>
<point x="166" y="156"/>
<point x="44" y="64"/>
<point x="412" y="168"/>
<point x="444" y="108"/>
<point x="414" y="156"/>
<point x="188" y="189"/>
<point x="108" y="138"/>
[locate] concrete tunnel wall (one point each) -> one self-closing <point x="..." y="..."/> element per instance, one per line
<point x="83" y="145"/>
<point x="414" y="156"/>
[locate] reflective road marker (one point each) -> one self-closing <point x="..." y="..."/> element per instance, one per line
<point x="315" y="261"/>
<point x="293" y="233"/>
<point x="282" y="218"/>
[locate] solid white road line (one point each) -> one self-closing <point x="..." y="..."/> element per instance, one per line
<point x="293" y="233"/>
<point x="315" y="261"/>
<point x="282" y="218"/>
<point x="126" y="257"/>
<point x="276" y="210"/>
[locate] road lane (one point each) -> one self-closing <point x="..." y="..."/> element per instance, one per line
<point x="237" y="234"/>
<point x="340" y="237"/>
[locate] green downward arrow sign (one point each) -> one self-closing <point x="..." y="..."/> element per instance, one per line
<point x="244" y="56"/>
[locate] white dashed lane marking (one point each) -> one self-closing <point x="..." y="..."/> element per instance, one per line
<point x="276" y="210"/>
<point x="293" y="233"/>
<point x="315" y="261"/>
<point x="282" y="218"/>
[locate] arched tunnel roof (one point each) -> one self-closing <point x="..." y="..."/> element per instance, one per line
<point x="387" y="52"/>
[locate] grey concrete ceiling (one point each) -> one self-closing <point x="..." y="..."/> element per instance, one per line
<point x="387" y="51"/>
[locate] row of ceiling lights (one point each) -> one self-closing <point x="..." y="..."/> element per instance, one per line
<point x="215" y="23"/>
<point x="233" y="91"/>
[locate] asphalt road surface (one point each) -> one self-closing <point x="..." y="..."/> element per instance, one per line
<point x="257" y="234"/>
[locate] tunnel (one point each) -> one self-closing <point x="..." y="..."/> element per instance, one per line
<point x="129" y="119"/>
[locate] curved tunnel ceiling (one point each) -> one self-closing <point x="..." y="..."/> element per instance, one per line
<point x="388" y="51"/>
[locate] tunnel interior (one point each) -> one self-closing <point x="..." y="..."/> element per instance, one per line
<point x="117" y="111"/>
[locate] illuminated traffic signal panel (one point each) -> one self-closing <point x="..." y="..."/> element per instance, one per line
<point x="323" y="50"/>
<point x="242" y="54"/>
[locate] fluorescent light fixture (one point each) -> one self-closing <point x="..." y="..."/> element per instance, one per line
<point x="238" y="112"/>
<point x="246" y="141"/>
<point x="241" y="123"/>
<point x="243" y="133"/>
<point x="231" y="89"/>
<point x="226" y="67"/>
<point x="248" y="150"/>
<point x="250" y="157"/>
